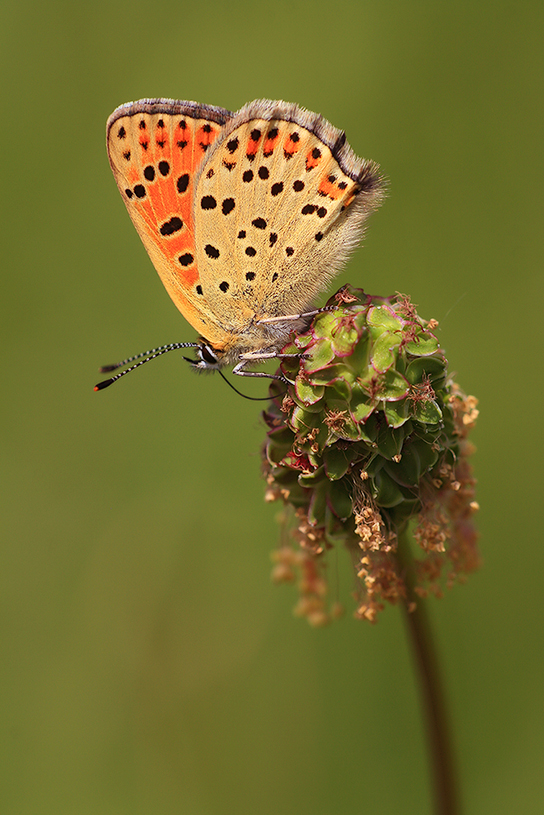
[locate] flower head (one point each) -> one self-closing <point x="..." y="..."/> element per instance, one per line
<point x="371" y="435"/>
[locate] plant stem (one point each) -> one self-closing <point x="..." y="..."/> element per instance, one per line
<point x="440" y="747"/>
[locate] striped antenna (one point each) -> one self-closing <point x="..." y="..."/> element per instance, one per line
<point x="145" y="356"/>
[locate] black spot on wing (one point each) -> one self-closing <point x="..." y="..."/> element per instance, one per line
<point x="182" y="183"/>
<point x="208" y="202"/>
<point x="171" y="226"/>
<point x="211" y="251"/>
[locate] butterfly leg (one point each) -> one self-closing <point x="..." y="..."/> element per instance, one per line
<point x="292" y="317"/>
<point x="239" y="370"/>
<point x="257" y="356"/>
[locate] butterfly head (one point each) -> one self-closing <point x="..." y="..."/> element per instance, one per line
<point x="208" y="358"/>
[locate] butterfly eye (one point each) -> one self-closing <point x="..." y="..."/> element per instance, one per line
<point x="207" y="355"/>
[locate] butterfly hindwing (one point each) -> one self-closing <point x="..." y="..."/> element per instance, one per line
<point x="279" y="203"/>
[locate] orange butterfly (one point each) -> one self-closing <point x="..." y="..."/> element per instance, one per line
<point x="246" y="216"/>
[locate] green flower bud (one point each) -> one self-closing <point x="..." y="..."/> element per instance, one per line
<point x="369" y="436"/>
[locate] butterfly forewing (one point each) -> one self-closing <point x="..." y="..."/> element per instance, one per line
<point x="155" y="149"/>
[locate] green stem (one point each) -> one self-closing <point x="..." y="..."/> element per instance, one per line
<point x="432" y="693"/>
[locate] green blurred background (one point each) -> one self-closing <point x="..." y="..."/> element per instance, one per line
<point x="148" y="664"/>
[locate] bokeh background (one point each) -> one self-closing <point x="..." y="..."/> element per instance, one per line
<point x="148" y="665"/>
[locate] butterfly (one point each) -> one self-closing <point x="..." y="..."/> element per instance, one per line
<point x="245" y="215"/>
